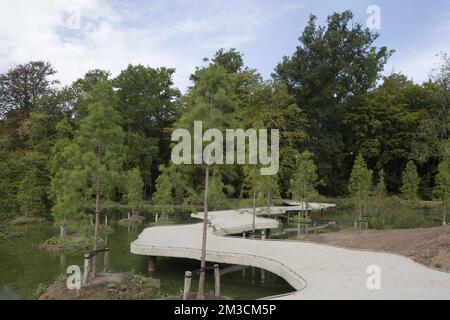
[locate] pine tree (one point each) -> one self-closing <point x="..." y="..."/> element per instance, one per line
<point x="31" y="195"/>
<point x="381" y="186"/>
<point x="210" y="101"/>
<point x="100" y="151"/>
<point x="261" y="188"/>
<point x="164" y="190"/>
<point x="65" y="188"/>
<point x="360" y="184"/>
<point x="442" y="188"/>
<point x="134" y="189"/>
<point x="410" y="182"/>
<point x="305" y="180"/>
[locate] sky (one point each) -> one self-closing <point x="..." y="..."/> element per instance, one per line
<point x="80" y="35"/>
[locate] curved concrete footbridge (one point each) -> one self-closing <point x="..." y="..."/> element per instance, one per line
<point x="315" y="271"/>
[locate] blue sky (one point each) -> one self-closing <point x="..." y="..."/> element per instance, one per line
<point x="80" y="35"/>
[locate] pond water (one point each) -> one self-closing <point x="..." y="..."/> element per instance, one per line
<point x="23" y="267"/>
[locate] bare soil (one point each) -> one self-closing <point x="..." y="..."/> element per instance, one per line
<point x="429" y="246"/>
<point x="106" y="286"/>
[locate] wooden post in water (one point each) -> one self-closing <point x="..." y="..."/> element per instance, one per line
<point x="86" y="268"/>
<point x="151" y="263"/>
<point x="62" y="230"/>
<point x="216" y="281"/>
<point x="187" y="285"/>
<point x="106" y="254"/>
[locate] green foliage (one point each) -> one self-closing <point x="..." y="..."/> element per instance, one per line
<point x="360" y="184"/>
<point x="31" y="195"/>
<point x="164" y="186"/>
<point x="305" y="179"/>
<point x="442" y="189"/>
<point x="56" y="143"/>
<point x="381" y="186"/>
<point x="134" y="189"/>
<point x="231" y="60"/>
<point x="333" y="66"/>
<point x="147" y="104"/>
<point x="217" y="198"/>
<point x="410" y="179"/>
<point x="65" y="188"/>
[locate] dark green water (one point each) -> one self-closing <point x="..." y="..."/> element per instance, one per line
<point x="23" y="267"/>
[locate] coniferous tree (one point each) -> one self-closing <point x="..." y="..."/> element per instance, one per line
<point x="410" y="182"/>
<point x="360" y="184"/>
<point x="100" y="152"/>
<point x="134" y="190"/>
<point x="304" y="181"/>
<point x="442" y="188"/>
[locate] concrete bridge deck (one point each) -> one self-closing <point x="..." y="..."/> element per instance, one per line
<point x="314" y="271"/>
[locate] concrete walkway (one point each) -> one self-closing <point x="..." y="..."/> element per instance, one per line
<point x="315" y="271"/>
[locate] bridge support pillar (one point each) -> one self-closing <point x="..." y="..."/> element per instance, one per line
<point x="263" y="234"/>
<point x="151" y="263"/>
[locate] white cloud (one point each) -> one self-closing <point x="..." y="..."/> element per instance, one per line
<point x="159" y="33"/>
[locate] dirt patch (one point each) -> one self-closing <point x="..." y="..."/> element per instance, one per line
<point x="106" y="286"/>
<point x="429" y="246"/>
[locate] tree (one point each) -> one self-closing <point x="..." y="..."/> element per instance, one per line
<point x="134" y="189"/>
<point x="100" y="151"/>
<point x="332" y="66"/>
<point x="411" y="180"/>
<point x="304" y="181"/>
<point x="268" y="104"/>
<point x="22" y="87"/>
<point x="209" y="101"/>
<point x="31" y="196"/>
<point x="231" y="60"/>
<point x="66" y="185"/>
<point x="442" y="188"/>
<point x="33" y="185"/>
<point x="384" y="126"/>
<point x="381" y="186"/>
<point x="164" y="188"/>
<point x="147" y="102"/>
<point x="261" y="188"/>
<point x="360" y="184"/>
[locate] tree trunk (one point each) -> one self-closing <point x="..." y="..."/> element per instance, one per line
<point x="444" y="218"/>
<point x="106" y="254"/>
<point x="62" y="230"/>
<point x="201" y="280"/>
<point x="97" y="227"/>
<point x="254" y="213"/>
